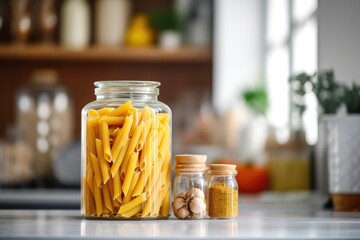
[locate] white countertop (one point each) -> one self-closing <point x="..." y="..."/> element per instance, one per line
<point x="286" y="219"/>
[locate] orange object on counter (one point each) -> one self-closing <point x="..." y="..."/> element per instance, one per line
<point x="252" y="178"/>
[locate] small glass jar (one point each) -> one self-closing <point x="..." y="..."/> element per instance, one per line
<point x="126" y="152"/>
<point x="190" y="187"/>
<point x="223" y="191"/>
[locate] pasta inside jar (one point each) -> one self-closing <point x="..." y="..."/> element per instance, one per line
<point x="126" y="170"/>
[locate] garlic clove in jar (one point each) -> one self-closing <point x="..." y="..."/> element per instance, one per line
<point x="200" y="215"/>
<point x="182" y="195"/>
<point x="182" y="213"/>
<point x="197" y="205"/>
<point x="179" y="203"/>
<point x="195" y="193"/>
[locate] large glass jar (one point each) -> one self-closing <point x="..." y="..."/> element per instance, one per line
<point x="126" y="152"/>
<point x="190" y="187"/>
<point x="223" y="191"/>
<point x="44" y="115"/>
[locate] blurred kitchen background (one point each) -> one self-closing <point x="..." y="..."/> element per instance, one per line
<point x="229" y="70"/>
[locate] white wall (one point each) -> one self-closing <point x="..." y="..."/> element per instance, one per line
<point x="339" y="38"/>
<point x="237" y="49"/>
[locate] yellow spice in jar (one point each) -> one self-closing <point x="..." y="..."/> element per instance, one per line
<point x="223" y="201"/>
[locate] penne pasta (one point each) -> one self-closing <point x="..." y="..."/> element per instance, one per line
<point x="161" y="196"/>
<point x="98" y="200"/>
<point x="145" y="114"/>
<point x="93" y="121"/>
<point x="156" y="194"/>
<point x="93" y="113"/>
<point x="102" y="162"/>
<point x="90" y="204"/>
<point x="122" y="136"/>
<point x="121" y="110"/>
<point x="164" y="118"/>
<point x="146" y="173"/>
<point x="166" y="162"/>
<point x="137" y="116"/>
<point x="129" y="173"/>
<point x="104" y="135"/>
<point x="150" y="203"/>
<point x="131" y="148"/>
<point x="133" y="203"/>
<point x="139" y="185"/>
<point x="117" y="186"/>
<point x="132" y="211"/>
<point x="165" y="205"/>
<point x="134" y="180"/>
<point x="91" y="138"/>
<point x="97" y="171"/>
<point x="165" y="143"/>
<point x="107" y="198"/>
<point x="147" y="127"/>
<point x="110" y="185"/>
<point x="90" y="179"/>
<point x="116" y="165"/>
<point x="110" y="120"/>
<point x="117" y="205"/>
<point x="105" y="111"/>
<point x="142" y="162"/>
<point x="113" y="130"/>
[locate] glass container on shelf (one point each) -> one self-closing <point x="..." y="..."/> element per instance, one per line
<point x="44" y="114"/>
<point x="47" y="20"/>
<point x="126" y="152"/>
<point x="109" y="12"/>
<point x="223" y="191"/>
<point x="289" y="163"/>
<point x="190" y="187"/>
<point x="288" y="155"/>
<point x="75" y="23"/>
<point x="21" y="21"/>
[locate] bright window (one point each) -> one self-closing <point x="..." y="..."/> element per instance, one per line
<point x="291" y="47"/>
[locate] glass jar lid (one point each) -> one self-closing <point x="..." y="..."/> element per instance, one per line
<point x="124" y="86"/>
<point x="222" y="169"/>
<point x="190" y="163"/>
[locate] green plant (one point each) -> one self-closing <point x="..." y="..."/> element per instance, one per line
<point x="328" y="92"/>
<point x="165" y="19"/>
<point x="352" y="98"/>
<point x="257" y="99"/>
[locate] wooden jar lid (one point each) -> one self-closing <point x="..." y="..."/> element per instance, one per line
<point x="222" y="169"/>
<point x="190" y="163"/>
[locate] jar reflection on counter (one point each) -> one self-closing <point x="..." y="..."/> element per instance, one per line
<point x="126" y="152"/>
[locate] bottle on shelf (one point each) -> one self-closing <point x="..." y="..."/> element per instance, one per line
<point x="21" y="21"/>
<point x="75" y="24"/>
<point x="111" y="21"/>
<point x="47" y="20"/>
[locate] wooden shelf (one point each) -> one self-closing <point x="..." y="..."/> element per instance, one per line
<point x="41" y="52"/>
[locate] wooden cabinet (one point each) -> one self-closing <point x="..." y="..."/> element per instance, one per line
<point x="178" y="71"/>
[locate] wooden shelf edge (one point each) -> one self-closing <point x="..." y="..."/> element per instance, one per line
<point x="41" y="52"/>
